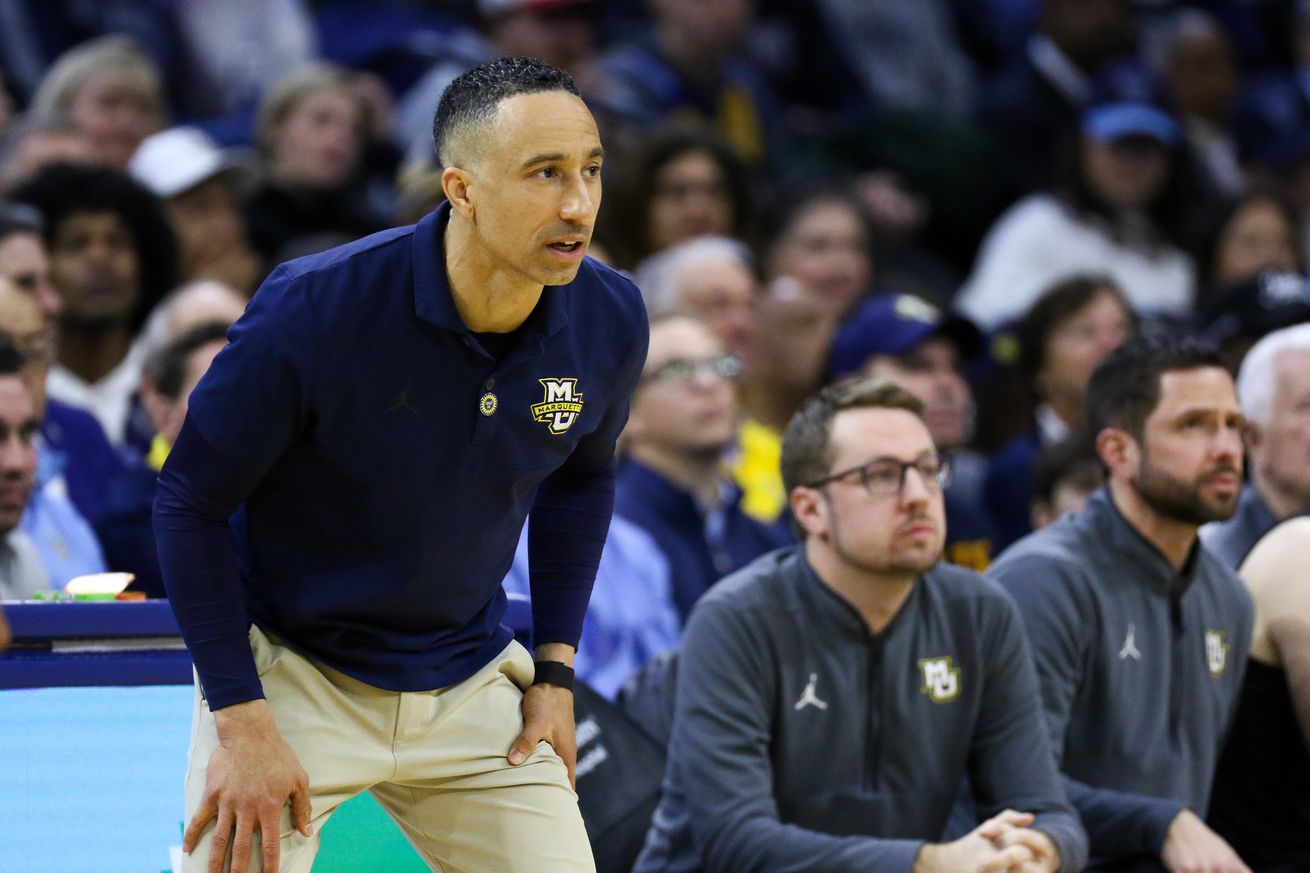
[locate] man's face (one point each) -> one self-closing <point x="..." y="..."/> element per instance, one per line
<point x="932" y="371"/>
<point x="721" y="292"/>
<point x="24" y="263"/>
<point x="1281" y="450"/>
<point x="894" y="534"/>
<point x="18" y="427"/>
<point x="93" y="261"/>
<point x="534" y="189"/>
<point x="1190" y="464"/>
<point x="683" y="406"/>
<point x="207" y="222"/>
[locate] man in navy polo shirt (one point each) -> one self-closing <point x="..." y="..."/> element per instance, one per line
<point x="385" y="418"/>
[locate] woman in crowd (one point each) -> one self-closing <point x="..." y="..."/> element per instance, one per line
<point x="681" y="184"/>
<point x="311" y="131"/>
<point x="111" y="90"/>
<point x="825" y="243"/>
<point x="1256" y="233"/>
<point x="1063" y="337"/>
<point x="1121" y="211"/>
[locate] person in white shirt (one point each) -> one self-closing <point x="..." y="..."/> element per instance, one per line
<point x="1119" y="214"/>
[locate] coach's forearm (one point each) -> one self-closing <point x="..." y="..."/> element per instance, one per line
<point x="561" y="652"/>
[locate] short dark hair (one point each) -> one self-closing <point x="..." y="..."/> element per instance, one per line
<point x="62" y="190"/>
<point x="1058" y="303"/>
<point x="806" y="443"/>
<point x="1072" y="458"/>
<point x="167" y="366"/>
<point x="474" y="96"/>
<point x="1125" y="387"/>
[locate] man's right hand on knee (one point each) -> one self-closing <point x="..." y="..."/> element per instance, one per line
<point x="251" y="776"/>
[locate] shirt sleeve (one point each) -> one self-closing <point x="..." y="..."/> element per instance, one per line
<point x="1010" y="764"/>
<point x="1119" y="824"/>
<point x="720" y="748"/>
<point x="250" y="406"/>
<point x="571" y="514"/>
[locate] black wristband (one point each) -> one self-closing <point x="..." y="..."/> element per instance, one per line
<point x="553" y="673"/>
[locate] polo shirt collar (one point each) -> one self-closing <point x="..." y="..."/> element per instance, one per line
<point x="434" y="303"/>
<point x="1138" y="556"/>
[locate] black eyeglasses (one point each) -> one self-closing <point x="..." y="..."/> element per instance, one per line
<point x="684" y="369"/>
<point x="885" y="477"/>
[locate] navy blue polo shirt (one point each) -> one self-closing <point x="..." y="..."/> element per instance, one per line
<point x="384" y="463"/>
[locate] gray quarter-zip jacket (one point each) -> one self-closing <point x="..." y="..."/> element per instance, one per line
<point x="1140" y="668"/>
<point x="802" y="742"/>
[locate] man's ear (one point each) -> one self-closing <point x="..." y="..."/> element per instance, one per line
<point x="456" y="183"/>
<point x="1119" y="452"/>
<point x="809" y="510"/>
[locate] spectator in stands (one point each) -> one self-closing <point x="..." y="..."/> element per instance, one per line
<point x="202" y="189"/>
<point x="1262" y="788"/>
<point x="74" y="464"/>
<point x="23" y="258"/>
<point x="1065" y="475"/>
<point x="712" y="279"/>
<point x="72" y="447"/>
<point x="1120" y="210"/>
<point x="905" y="339"/>
<point x="683" y="420"/>
<point x="112" y="256"/>
<point x="1201" y="75"/>
<point x="795" y="336"/>
<point x="111" y="90"/>
<point x="311" y="132"/>
<point x="21" y="572"/>
<point x="1138" y="631"/>
<point x="169" y="376"/>
<point x="1255" y="233"/>
<point x="1063" y="337"/>
<point x="824" y="241"/>
<point x="1032" y="107"/>
<point x="33" y="141"/>
<point x="1274" y="387"/>
<point x="831" y="698"/>
<point x="691" y="66"/>
<point x="679" y="184"/>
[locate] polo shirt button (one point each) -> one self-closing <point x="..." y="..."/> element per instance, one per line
<point x="489" y="384"/>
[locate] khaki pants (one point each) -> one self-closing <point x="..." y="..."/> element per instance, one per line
<point x="435" y="761"/>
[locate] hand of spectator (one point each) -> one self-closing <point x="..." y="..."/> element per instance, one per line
<point x="376" y="103"/>
<point x="1191" y="847"/>
<point x="251" y="776"/>
<point x="5" y="637"/>
<point x="980" y="850"/>
<point x="548" y="715"/>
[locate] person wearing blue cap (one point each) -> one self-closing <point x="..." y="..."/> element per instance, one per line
<point x="1120" y="212"/>
<point x="907" y="340"/>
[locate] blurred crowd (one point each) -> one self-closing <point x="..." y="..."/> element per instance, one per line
<point x="977" y="199"/>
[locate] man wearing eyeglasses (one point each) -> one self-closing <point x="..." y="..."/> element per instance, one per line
<point x="683" y="419"/>
<point x="832" y="697"/>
